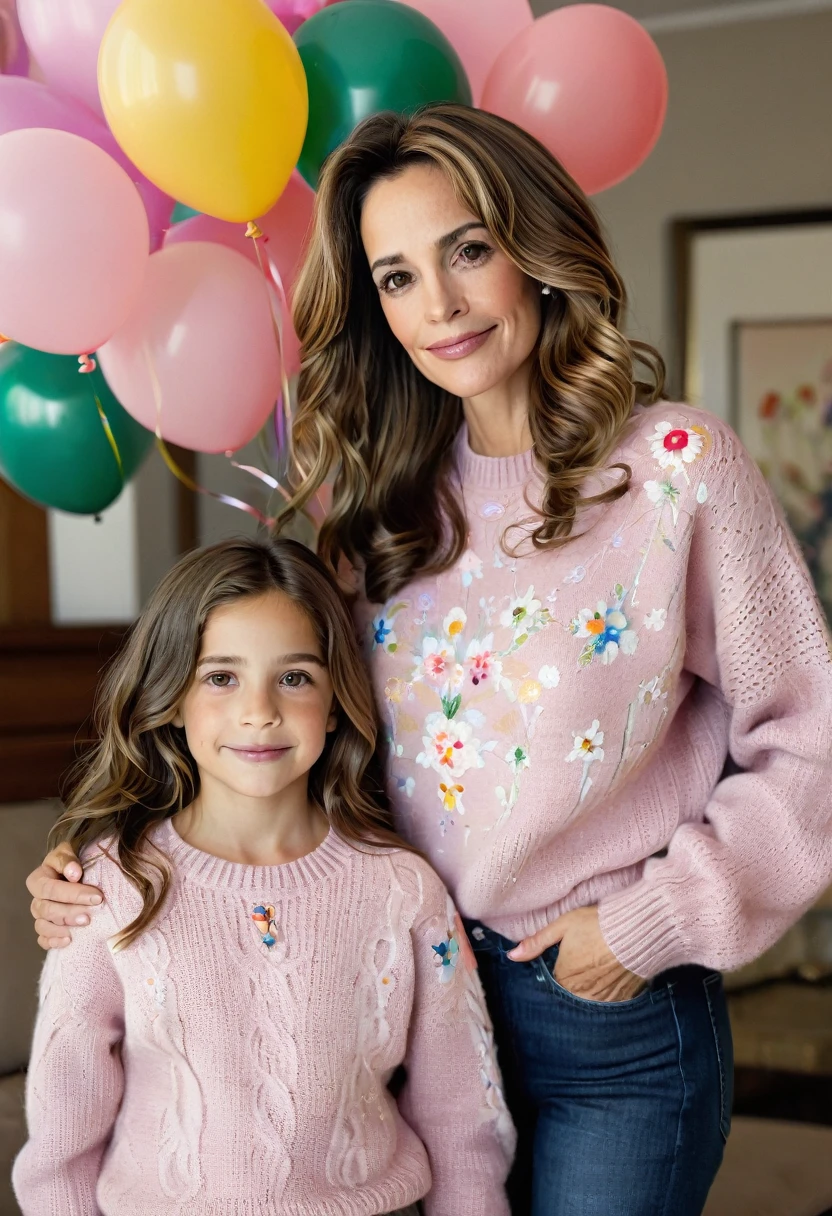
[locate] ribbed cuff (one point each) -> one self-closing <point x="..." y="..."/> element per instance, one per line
<point x="638" y="927"/>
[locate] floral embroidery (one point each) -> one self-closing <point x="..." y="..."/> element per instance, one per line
<point x="651" y="692"/>
<point x="482" y="661"/>
<point x="656" y="619"/>
<point x="525" y="616"/>
<point x="529" y="692"/>
<point x="449" y="746"/>
<point x="447" y="956"/>
<point x="661" y="492"/>
<point x="702" y="493"/>
<point x="407" y="786"/>
<point x="384" y="635"/>
<point x="549" y="677"/>
<point x="674" y="447"/>
<point x="452" y="797"/>
<point x="576" y="576"/>
<point x="606" y="631"/>
<point x="517" y="758"/>
<point x="588" y="748"/>
<point x="263" y="917"/>
<point x="454" y="622"/>
<point x="438" y="664"/>
<point x="470" y="567"/>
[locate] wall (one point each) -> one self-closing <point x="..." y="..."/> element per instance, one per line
<point x="748" y="129"/>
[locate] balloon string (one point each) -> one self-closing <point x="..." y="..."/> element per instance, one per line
<point x="283" y="410"/>
<point x="180" y="474"/>
<point x="108" y="431"/>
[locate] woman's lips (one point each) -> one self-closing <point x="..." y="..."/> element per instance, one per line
<point x="458" y="348"/>
<point x="259" y="755"/>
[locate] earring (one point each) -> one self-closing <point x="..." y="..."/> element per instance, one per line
<point x="546" y="290"/>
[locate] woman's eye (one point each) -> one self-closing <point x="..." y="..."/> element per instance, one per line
<point x="474" y="252"/>
<point x="394" y="282"/>
<point x="295" y="679"/>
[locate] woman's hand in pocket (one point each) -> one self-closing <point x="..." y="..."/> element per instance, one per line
<point x="585" y="965"/>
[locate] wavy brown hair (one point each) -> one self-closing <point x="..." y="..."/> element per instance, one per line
<point x="141" y="772"/>
<point x="366" y="415"/>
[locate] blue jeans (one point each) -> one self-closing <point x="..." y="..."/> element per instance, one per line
<point x="623" y="1108"/>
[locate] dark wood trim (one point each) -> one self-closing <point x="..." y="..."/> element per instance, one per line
<point x="24" y="560"/>
<point x="682" y="233"/>
<point x="48" y="679"/>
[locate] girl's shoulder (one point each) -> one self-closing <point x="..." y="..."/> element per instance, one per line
<point x="423" y="890"/>
<point x="102" y="870"/>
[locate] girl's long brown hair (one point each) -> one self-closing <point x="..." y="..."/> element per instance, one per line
<point x="141" y="772"/>
<point x="365" y="414"/>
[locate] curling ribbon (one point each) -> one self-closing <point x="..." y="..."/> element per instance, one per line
<point x="108" y="431"/>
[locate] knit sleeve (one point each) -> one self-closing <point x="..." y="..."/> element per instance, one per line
<point x="75" y="1081"/>
<point x="453" y="1097"/>
<point x="730" y="886"/>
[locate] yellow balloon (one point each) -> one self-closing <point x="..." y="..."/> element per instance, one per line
<point x="208" y="98"/>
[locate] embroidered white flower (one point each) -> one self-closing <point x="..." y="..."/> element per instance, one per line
<point x="522" y="612"/>
<point x="549" y="677"/>
<point x="702" y="493"/>
<point x="664" y="492"/>
<point x="651" y="692"/>
<point x="406" y="786"/>
<point x="656" y="619"/>
<point x="454" y="622"/>
<point x="577" y="575"/>
<point x="674" y="446"/>
<point x="470" y="567"/>
<point x="438" y="665"/>
<point x="517" y="758"/>
<point x="450" y="747"/>
<point x="384" y="635"/>
<point x="588" y="746"/>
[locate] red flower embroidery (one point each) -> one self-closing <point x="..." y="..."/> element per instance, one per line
<point x="675" y="441"/>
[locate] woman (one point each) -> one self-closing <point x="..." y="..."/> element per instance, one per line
<point x="581" y="606"/>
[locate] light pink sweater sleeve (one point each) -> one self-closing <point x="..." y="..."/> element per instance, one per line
<point x="453" y="1098"/>
<point x="75" y="1081"/>
<point x="730" y="886"/>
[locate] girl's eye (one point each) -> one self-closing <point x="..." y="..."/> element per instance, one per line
<point x="391" y="283"/>
<point x="295" y="679"/>
<point x="220" y="679"/>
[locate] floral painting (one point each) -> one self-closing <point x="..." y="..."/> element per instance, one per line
<point x="783" y="414"/>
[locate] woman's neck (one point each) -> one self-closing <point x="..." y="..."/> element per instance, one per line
<point x="252" y="831"/>
<point x="498" y="420"/>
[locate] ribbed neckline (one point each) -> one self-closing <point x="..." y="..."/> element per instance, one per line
<point x="493" y="472"/>
<point x="206" y="870"/>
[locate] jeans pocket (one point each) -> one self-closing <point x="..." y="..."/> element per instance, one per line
<point x="546" y="974"/>
<point x="724" y="1045"/>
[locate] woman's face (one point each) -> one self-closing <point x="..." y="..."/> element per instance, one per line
<point x="466" y="315"/>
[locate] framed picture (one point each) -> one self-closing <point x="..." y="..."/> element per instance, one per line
<point x="781" y="407"/>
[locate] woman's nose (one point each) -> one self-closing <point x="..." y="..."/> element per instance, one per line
<point x="443" y="300"/>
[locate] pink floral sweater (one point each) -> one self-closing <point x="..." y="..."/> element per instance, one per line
<point x="235" y="1058"/>
<point x="559" y="721"/>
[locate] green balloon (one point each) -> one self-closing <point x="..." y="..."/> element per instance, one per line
<point x="53" y="446"/>
<point x="365" y="56"/>
<point x="182" y="212"/>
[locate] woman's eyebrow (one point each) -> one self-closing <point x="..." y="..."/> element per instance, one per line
<point x="443" y="242"/>
<point x="222" y="660"/>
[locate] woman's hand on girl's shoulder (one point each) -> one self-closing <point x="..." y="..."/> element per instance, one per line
<point x="59" y="897"/>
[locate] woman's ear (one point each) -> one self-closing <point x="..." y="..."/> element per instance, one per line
<point x="332" y="720"/>
<point x="178" y="720"/>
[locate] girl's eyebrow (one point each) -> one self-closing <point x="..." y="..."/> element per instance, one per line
<point x="225" y="660"/>
<point x="443" y="243"/>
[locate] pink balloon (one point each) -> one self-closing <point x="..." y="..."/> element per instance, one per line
<point x="589" y="82"/>
<point x="287" y="228"/>
<point x="477" y="30"/>
<point x="203" y="325"/>
<point x="64" y="36"/>
<point x="73" y="242"/>
<point x="293" y="13"/>
<point x="26" y="103"/>
<point x="14" y="55"/>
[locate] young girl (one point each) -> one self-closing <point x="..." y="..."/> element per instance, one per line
<point x="221" y="1038"/>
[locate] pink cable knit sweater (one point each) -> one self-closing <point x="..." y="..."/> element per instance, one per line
<point x="559" y="721"/>
<point x="222" y="1064"/>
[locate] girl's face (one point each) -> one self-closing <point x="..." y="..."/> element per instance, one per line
<point x="466" y="315"/>
<point x="261" y="703"/>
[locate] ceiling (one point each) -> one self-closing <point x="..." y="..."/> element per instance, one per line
<point x="645" y="9"/>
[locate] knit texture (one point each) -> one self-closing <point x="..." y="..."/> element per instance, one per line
<point x="235" y="1058"/>
<point x="559" y="720"/>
